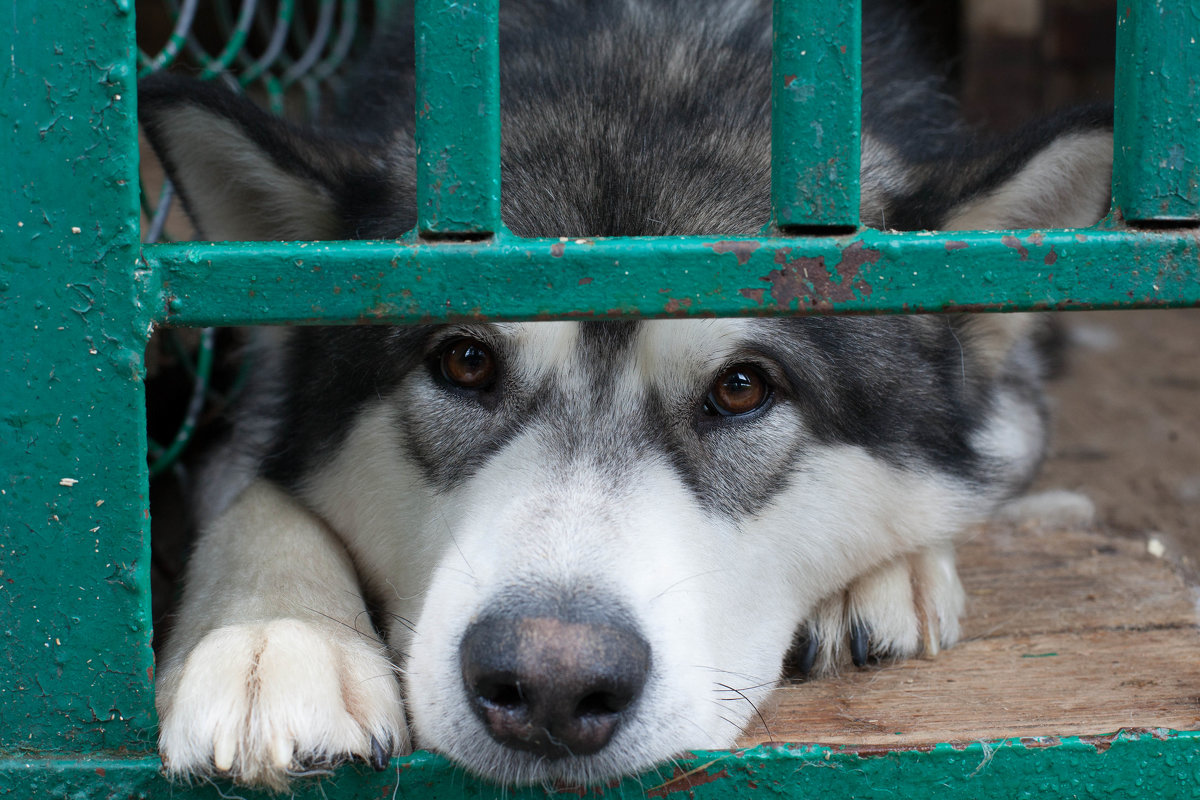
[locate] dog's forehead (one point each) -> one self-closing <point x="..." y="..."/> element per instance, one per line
<point x="660" y="352"/>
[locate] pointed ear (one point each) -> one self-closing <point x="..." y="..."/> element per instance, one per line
<point x="1056" y="174"/>
<point x="244" y="174"/>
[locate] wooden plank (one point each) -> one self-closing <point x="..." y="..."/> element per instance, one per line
<point x="1067" y="633"/>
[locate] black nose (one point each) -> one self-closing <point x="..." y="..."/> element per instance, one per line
<point x="553" y="686"/>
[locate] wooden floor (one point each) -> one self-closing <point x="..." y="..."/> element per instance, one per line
<point x="1077" y="631"/>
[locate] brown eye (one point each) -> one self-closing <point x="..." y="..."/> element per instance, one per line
<point x="736" y="391"/>
<point x="468" y="364"/>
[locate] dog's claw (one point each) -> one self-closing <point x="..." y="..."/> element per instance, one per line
<point x="379" y="755"/>
<point x="859" y="643"/>
<point x="806" y="649"/>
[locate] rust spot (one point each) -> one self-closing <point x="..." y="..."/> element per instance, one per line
<point x="1015" y="244"/>
<point x="381" y="309"/>
<point x="1051" y="257"/>
<point x="584" y="281"/>
<point x="955" y="245"/>
<point x="1040" y="742"/>
<point x="741" y="250"/>
<point x="100" y="771"/>
<point x="1036" y="239"/>
<point x="807" y="281"/>
<point x="337" y="290"/>
<point x="877" y="750"/>
<point x="753" y="294"/>
<point x="561" y="787"/>
<point x="1101" y="743"/>
<point x="678" y="306"/>
<point x="788" y="80"/>
<point x="683" y="781"/>
<point x="557" y="249"/>
<point x="150" y="674"/>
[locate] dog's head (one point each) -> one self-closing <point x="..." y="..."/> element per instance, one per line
<point x="592" y="543"/>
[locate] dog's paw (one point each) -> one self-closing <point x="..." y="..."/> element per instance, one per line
<point x="263" y="702"/>
<point x="905" y="608"/>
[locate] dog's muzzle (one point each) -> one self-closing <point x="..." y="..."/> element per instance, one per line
<point x="555" y="679"/>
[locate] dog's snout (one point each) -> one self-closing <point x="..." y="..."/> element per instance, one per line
<point x="552" y="686"/>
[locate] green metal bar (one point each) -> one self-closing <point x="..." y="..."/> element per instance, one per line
<point x="513" y="278"/>
<point x="458" y="118"/>
<point x="816" y="99"/>
<point x="1155" y="764"/>
<point x="1156" y="175"/>
<point x="76" y="668"/>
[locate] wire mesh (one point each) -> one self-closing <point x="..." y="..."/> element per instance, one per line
<point x="289" y="55"/>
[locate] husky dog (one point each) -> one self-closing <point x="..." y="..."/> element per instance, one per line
<point x="566" y="551"/>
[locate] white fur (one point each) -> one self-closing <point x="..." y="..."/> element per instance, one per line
<point x="273" y="662"/>
<point x="717" y="602"/>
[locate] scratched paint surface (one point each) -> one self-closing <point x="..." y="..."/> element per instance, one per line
<point x="512" y="278"/>
<point x="1154" y="764"/>
<point x="816" y="92"/>
<point x="1157" y="176"/>
<point x="458" y="117"/>
<point x="75" y="660"/>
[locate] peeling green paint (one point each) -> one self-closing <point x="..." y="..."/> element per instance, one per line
<point x="507" y="277"/>
<point x="816" y="95"/>
<point x="1156" y="176"/>
<point x="1152" y="764"/>
<point x="76" y="665"/>
<point x="458" y="117"/>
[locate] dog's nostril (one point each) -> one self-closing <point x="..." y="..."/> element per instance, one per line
<point x="598" y="704"/>
<point x="500" y="695"/>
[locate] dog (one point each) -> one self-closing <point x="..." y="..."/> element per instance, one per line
<point x="568" y="551"/>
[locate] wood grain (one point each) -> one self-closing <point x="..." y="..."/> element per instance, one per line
<point x="1067" y="632"/>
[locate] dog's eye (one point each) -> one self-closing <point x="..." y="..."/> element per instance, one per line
<point x="736" y="391"/>
<point x="468" y="364"/>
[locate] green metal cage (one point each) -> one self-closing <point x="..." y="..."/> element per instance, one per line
<point x="80" y="295"/>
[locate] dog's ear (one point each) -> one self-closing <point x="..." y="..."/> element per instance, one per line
<point x="244" y="174"/>
<point x="1056" y="173"/>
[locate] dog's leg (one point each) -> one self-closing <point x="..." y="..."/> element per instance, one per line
<point x="907" y="607"/>
<point x="274" y="668"/>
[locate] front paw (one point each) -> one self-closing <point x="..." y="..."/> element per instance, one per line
<point x="263" y="702"/>
<point x="907" y="607"/>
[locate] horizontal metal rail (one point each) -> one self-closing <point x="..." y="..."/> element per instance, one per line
<point x="509" y="278"/>
<point x="1154" y="763"/>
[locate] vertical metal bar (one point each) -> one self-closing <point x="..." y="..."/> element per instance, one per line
<point x="1156" y="172"/>
<point x="816" y="99"/>
<point x="76" y="668"/>
<point x="458" y="117"/>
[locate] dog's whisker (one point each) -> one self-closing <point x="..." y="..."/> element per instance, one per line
<point x="676" y="584"/>
<point x="402" y="598"/>
<point x="405" y="621"/>
<point x="372" y="635"/>
<point x="754" y="706"/>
